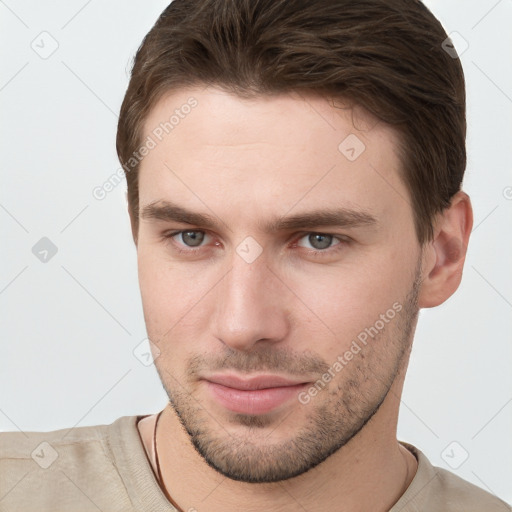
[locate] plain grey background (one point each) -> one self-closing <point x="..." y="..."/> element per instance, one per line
<point x="70" y="324"/>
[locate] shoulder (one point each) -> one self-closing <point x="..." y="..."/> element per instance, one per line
<point x="436" y="489"/>
<point x="463" y="495"/>
<point x="71" y="465"/>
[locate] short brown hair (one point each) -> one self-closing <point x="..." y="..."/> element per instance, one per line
<point x="384" y="55"/>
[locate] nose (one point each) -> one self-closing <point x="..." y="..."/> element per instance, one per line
<point x="251" y="305"/>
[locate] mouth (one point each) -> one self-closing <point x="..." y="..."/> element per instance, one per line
<point x="254" y="395"/>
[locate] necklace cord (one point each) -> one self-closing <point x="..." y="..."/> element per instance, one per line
<point x="159" y="473"/>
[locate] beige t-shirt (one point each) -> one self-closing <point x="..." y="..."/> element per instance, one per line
<point x="106" y="468"/>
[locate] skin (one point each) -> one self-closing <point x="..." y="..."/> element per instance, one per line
<point x="294" y="309"/>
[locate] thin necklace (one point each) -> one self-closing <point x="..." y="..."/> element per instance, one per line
<point x="159" y="473"/>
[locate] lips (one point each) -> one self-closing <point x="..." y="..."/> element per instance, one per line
<point x="255" y="395"/>
<point x="253" y="383"/>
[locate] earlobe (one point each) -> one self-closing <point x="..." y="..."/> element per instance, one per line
<point x="444" y="256"/>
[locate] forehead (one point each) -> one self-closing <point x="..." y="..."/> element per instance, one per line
<point x="269" y="154"/>
<point x="261" y="117"/>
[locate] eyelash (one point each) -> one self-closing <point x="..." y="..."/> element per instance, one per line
<point x="343" y="241"/>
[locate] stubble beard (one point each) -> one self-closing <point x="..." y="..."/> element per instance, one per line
<point x="335" y="416"/>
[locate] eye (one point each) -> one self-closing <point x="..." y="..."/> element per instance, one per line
<point x="319" y="241"/>
<point x="187" y="238"/>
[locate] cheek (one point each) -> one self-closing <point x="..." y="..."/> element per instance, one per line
<point x="343" y="301"/>
<point x="167" y="291"/>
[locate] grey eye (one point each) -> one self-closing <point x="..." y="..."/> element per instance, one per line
<point x="192" y="238"/>
<point x="320" y="241"/>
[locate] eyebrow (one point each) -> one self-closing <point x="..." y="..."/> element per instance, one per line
<point x="341" y="217"/>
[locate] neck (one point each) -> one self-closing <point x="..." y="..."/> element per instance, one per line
<point x="370" y="472"/>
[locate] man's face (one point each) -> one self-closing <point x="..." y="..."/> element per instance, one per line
<point x="248" y="294"/>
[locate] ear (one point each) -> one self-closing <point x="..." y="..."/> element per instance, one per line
<point x="444" y="256"/>
<point x="133" y="222"/>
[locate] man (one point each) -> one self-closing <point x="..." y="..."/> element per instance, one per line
<point x="294" y="174"/>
